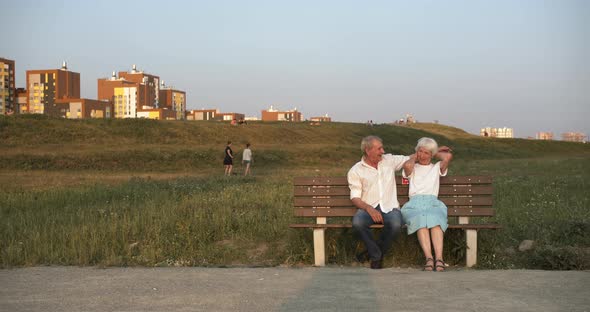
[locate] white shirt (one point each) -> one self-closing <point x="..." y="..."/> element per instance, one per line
<point x="247" y="155"/>
<point x="425" y="180"/>
<point x="376" y="186"/>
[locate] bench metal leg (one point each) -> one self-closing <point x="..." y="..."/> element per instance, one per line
<point x="471" y="238"/>
<point x="319" y="246"/>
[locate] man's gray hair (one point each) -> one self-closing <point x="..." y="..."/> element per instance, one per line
<point x="429" y="144"/>
<point x="367" y="143"/>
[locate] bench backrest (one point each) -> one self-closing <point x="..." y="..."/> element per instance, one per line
<point x="469" y="196"/>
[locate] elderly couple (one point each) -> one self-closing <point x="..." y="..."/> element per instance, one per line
<point x="373" y="192"/>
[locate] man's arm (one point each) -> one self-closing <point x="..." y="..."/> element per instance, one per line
<point x="444" y="154"/>
<point x="356" y="191"/>
<point x="445" y="159"/>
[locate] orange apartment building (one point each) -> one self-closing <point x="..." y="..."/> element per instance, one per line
<point x="48" y="85"/>
<point x="7" y="89"/>
<point x="275" y="115"/>
<point x="80" y="109"/>
<point x="127" y="96"/>
<point x="174" y="100"/>
<point x="152" y="83"/>
<point x="136" y="94"/>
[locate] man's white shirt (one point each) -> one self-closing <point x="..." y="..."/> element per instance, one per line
<point x="376" y="186"/>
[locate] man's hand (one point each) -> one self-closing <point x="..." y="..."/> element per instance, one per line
<point x="375" y="215"/>
<point x="444" y="149"/>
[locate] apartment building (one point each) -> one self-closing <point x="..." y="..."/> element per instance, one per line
<point x="80" y="108"/>
<point x="544" y="136"/>
<point x="497" y="132"/>
<point x="202" y="114"/>
<point x="574" y="137"/>
<point x="324" y="118"/>
<point x="156" y="113"/>
<point x="151" y="93"/>
<point x="273" y="114"/>
<point x="48" y="85"/>
<point x="7" y="89"/>
<point x="127" y="96"/>
<point x="229" y="116"/>
<point x="174" y="100"/>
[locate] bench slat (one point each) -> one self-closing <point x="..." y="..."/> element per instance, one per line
<point x="345" y="201"/>
<point x="342" y="181"/>
<point x="351" y="211"/>
<point x="378" y="226"/>
<point x="401" y="190"/>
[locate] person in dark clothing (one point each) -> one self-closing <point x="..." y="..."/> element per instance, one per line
<point x="228" y="160"/>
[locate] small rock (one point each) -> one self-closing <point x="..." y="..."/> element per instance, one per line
<point x="526" y="244"/>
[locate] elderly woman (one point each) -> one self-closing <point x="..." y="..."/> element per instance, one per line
<point x="424" y="213"/>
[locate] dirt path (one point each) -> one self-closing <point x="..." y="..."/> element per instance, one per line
<point x="290" y="289"/>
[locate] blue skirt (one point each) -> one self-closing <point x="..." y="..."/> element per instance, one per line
<point x="424" y="211"/>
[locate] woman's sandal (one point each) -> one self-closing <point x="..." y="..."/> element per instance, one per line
<point x="428" y="267"/>
<point x="442" y="265"/>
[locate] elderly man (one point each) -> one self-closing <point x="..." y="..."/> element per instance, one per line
<point x="373" y="192"/>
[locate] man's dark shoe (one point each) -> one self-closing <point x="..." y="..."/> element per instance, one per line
<point x="362" y="257"/>
<point x="376" y="264"/>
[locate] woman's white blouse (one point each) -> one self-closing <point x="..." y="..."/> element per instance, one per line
<point x="424" y="180"/>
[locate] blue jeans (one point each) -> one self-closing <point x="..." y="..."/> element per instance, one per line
<point x="392" y="223"/>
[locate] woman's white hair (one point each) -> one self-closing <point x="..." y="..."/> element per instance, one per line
<point x="429" y="144"/>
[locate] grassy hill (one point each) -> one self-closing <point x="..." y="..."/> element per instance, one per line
<point x="40" y="142"/>
<point x="145" y="192"/>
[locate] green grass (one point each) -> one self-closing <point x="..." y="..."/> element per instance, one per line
<point x="194" y="216"/>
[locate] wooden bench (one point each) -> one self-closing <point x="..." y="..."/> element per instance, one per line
<point x="323" y="197"/>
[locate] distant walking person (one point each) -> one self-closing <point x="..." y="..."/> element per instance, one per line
<point x="228" y="160"/>
<point x="247" y="159"/>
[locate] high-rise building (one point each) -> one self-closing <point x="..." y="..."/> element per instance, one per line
<point x="497" y="132"/>
<point x="275" y="115"/>
<point x="152" y="83"/>
<point x="7" y="89"/>
<point x="174" y="100"/>
<point x="48" y="85"/>
<point x="574" y="137"/>
<point x="127" y="96"/>
<point x="544" y="136"/>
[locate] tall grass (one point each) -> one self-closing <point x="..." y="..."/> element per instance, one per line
<point x="186" y="221"/>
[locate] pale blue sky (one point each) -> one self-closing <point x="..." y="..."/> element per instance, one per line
<point x="468" y="64"/>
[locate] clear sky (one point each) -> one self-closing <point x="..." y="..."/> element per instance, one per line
<point x="523" y="64"/>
